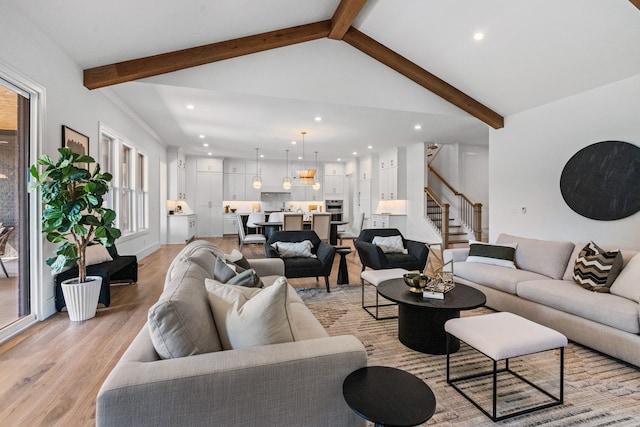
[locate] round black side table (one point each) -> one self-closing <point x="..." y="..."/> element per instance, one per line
<point x="343" y="271"/>
<point x="389" y="396"/>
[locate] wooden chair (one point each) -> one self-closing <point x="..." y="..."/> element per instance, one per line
<point x="3" y="244"/>
<point x="251" y="239"/>
<point x="321" y="224"/>
<point x="292" y="222"/>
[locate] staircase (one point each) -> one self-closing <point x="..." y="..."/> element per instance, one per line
<point x="454" y="227"/>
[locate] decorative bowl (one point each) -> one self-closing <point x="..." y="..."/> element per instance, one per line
<point x="417" y="282"/>
<point x="233" y="210"/>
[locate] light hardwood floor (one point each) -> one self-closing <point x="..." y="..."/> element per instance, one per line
<point x="50" y="374"/>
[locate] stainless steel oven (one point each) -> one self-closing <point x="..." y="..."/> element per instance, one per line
<point x="334" y="207"/>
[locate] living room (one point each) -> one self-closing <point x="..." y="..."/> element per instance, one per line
<point x="526" y="157"/>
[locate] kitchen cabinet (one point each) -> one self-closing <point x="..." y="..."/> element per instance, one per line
<point x="389" y="221"/>
<point x="388" y="183"/>
<point x="235" y="166"/>
<point x="391" y="175"/>
<point x="365" y="168"/>
<point x="181" y="228"/>
<point x="230" y="224"/>
<point x="250" y="192"/>
<point x="176" y="173"/>
<point x="334" y="180"/>
<point x="208" y="164"/>
<point x="336" y="169"/>
<point x="208" y="203"/>
<point x="234" y="186"/>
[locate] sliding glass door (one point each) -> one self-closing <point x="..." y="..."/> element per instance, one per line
<point x="14" y="207"/>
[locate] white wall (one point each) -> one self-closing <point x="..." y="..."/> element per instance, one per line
<point x="527" y="157"/>
<point x="24" y="49"/>
<point x="417" y="226"/>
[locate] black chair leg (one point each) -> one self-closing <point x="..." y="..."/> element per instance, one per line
<point x="3" y="268"/>
<point x="326" y="282"/>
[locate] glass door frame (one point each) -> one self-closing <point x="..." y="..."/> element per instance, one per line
<point x="42" y="304"/>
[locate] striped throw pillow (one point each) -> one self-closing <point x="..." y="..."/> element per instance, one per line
<point x="596" y="269"/>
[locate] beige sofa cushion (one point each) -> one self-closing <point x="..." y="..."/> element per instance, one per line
<point x="494" y="276"/>
<point x="249" y="317"/>
<point x="628" y="282"/>
<point x="607" y="309"/>
<point x="181" y="323"/>
<point x="540" y="256"/>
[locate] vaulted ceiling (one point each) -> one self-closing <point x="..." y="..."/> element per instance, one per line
<point x="372" y="69"/>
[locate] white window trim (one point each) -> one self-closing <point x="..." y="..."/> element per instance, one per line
<point x="116" y="186"/>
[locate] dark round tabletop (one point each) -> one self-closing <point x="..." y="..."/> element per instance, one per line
<point x="461" y="297"/>
<point x="389" y="396"/>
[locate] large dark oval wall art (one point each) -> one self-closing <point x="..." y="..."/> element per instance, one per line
<point x="602" y="181"/>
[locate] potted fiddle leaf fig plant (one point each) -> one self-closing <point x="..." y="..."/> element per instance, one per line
<point x="73" y="216"/>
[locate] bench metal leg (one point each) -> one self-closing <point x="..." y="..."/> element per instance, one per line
<point x="555" y="401"/>
<point x="376" y="315"/>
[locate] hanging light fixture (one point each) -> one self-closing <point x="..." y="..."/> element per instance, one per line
<point x="257" y="182"/>
<point x="316" y="184"/>
<point x="305" y="175"/>
<point x="286" y="181"/>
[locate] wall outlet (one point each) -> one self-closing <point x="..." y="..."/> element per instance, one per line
<point x="523" y="210"/>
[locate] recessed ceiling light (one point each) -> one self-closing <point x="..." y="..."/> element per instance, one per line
<point x="355" y="153"/>
<point x="339" y="159"/>
<point x="262" y="156"/>
<point x="478" y="36"/>
<point x="293" y="143"/>
<point x="191" y="107"/>
<point x="209" y="154"/>
<point x="205" y="145"/>
<point x="369" y="147"/>
<point x="201" y="136"/>
<point x="318" y="119"/>
<point x="417" y="127"/>
<point x="299" y="157"/>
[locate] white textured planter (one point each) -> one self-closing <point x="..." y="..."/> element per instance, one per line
<point x="82" y="298"/>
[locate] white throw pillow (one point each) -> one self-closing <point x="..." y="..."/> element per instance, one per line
<point x="95" y="254"/>
<point x="486" y="253"/>
<point x="294" y="249"/>
<point x="627" y="284"/>
<point x="249" y="317"/>
<point x="390" y="244"/>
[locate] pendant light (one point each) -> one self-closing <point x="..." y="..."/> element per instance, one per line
<point x="305" y="175"/>
<point x="316" y="183"/>
<point x="286" y="181"/>
<point x="257" y="182"/>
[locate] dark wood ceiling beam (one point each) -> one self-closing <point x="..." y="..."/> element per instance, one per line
<point x="422" y="77"/>
<point x="636" y="3"/>
<point x="344" y="16"/>
<point x="140" y="68"/>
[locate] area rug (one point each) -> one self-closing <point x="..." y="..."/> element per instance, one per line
<point x="599" y="390"/>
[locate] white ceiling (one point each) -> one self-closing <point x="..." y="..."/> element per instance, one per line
<point x="533" y="53"/>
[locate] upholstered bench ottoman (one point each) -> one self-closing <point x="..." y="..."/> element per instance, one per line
<point x="501" y="336"/>
<point x="375" y="277"/>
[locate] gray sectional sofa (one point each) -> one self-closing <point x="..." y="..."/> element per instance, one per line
<point x="295" y="383"/>
<point x="541" y="289"/>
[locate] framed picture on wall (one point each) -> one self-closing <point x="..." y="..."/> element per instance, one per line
<point x="77" y="142"/>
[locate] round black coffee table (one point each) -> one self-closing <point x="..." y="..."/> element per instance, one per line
<point x="389" y="396"/>
<point x="421" y="320"/>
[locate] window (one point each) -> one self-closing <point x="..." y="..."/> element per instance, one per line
<point x="125" y="209"/>
<point x="142" y="193"/>
<point x="129" y="167"/>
